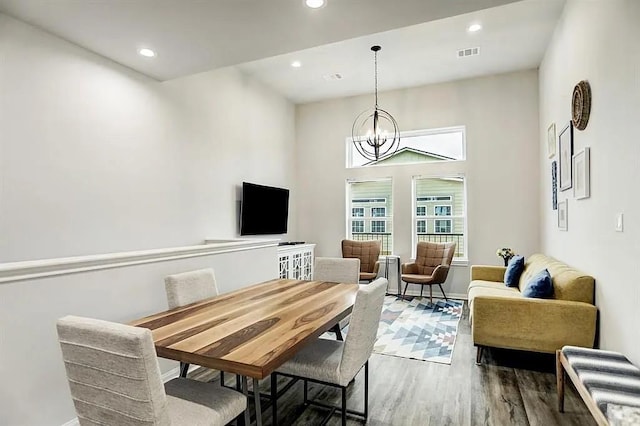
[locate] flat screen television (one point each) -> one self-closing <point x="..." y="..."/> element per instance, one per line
<point x="264" y="210"/>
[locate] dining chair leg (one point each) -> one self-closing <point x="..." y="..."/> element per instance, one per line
<point x="242" y="383"/>
<point x="256" y="399"/>
<point x="274" y="398"/>
<point x="304" y="395"/>
<point x="184" y="369"/>
<point x="344" y="406"/>
<point x="366" y="390"/>
<point x="445" y="296"/>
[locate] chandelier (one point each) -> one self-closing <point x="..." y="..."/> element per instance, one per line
<point x="375" y="132"/>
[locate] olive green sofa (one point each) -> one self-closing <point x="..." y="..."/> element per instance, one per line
<point x="501" y="317"/>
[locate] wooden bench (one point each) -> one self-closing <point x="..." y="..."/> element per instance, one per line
<point x="600" y="377"/>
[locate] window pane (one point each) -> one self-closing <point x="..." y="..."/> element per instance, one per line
<point x="357" y="226"/>
<point x="378" y="212"/>
<point x="442" y="226"/>
<point x="442" y="210"/>
<point x="369" y="212"/>
<point x="378" y="226"/>
<point x="441" y="197"/>
<point x="418" y="147"/>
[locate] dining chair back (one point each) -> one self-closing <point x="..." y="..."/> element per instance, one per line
<point x="363" y="327"/>
<point x="114" y="377"/>
<point x="337" y="270"/>
<point x="113" y="373"/>
<point x="189" y="287"/>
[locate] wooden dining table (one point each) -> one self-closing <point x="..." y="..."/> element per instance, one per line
<point x="252" y="331"/>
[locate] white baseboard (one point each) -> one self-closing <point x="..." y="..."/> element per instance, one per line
<point x="169" y="375"/>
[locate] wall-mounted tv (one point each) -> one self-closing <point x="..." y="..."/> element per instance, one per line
<point x="264" y="210"/>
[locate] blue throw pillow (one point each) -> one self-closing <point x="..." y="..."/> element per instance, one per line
<point x="514" y="270"/>
<point x="539" y="286"/>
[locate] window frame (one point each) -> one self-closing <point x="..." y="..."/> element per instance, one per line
<point x="423" y="214"/>
<point x="357" y="208"/>
<point x="443" y="205"/>
<point x="462" y="260"/>
<point x="360" y="221"/>
<point x="407" y="134"/>
<point x="435" y="228"/>
<point x="384" y="210"/>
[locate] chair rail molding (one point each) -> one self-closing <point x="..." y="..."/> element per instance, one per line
<point x="26" y="270"/>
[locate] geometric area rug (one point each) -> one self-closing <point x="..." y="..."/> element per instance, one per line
<point x="415" y="328"/>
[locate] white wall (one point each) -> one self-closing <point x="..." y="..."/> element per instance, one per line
<point x="96" y="158"/>
<point x="598" y="41"/>
<point x="34" y="389"/>
<point x="501" y="117"/>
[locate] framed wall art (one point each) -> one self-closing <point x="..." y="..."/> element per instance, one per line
<point x="551" y="140"/>
<point x="566" y="153"/>
<point x="581" y="172"/>
<point x="554" y="185"/>
<point x="563" y="218"/>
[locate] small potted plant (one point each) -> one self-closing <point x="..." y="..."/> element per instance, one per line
<point x="505" y="253"/>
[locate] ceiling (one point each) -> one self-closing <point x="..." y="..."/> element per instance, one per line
<point x="419" y="38"/>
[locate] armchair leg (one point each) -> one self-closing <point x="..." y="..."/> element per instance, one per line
<point x="479" y="352"/>
<point x="445" y="296"/>
<point x="431" y="294"/>
<point x="406" y="286"/>
<point x="421" y="288"/>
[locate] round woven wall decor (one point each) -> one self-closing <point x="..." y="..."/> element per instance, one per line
<point x="581" y="105"/>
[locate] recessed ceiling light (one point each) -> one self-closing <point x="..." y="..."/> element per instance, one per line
<point x="315" y="4"/>
<point x="474" y="27"/>
<point x="296" y="64"/>
<point x="147" y="52"/>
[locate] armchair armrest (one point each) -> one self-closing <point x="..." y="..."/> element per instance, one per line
<point x="488" y="273"/>
<point x="376" y="267"/>
<point x="409" y="268"/>
<point x="540" y="325"/>
<point x="440" y="274"/>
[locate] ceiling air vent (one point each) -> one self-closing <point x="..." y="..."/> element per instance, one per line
<point x="332" y="77"/>
<point x="471" y="51"/>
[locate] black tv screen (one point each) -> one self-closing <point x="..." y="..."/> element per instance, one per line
<point x="264" y="210"/>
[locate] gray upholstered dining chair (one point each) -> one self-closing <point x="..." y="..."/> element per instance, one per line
<point x="335" y="363"/>
<point x="338" y="270"/>
<point x="190" y="287"/>
<point x="114" y="378"/>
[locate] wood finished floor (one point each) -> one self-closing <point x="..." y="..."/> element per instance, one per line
<point x="509" y="388"/>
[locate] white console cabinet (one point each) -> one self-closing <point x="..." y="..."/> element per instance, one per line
<point x="296" y="261"/>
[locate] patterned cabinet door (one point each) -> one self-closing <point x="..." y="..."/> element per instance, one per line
<point x="296" y="262"/>
<point x="307" y="265"/>
<point x="283" y="262"/>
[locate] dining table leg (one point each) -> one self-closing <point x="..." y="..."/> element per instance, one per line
<point x="274" y="398"/>
<point x="256" y="396"/>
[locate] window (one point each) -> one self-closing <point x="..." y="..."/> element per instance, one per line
<point x="378" y="212"/>
<point x="378" y="226"/>
<point x="442" y="226"/>
<point x="444" y="218"/>
<point x="442" y="210"/>
<point x="422" y="146"/>
<point x="369" y="207"/>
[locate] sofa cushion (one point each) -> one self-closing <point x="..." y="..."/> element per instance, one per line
<point x="514" y="270"/>
<point x="489" y="288"/>
<point x="568" y="283"/>
<point x="539" y="286"/>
